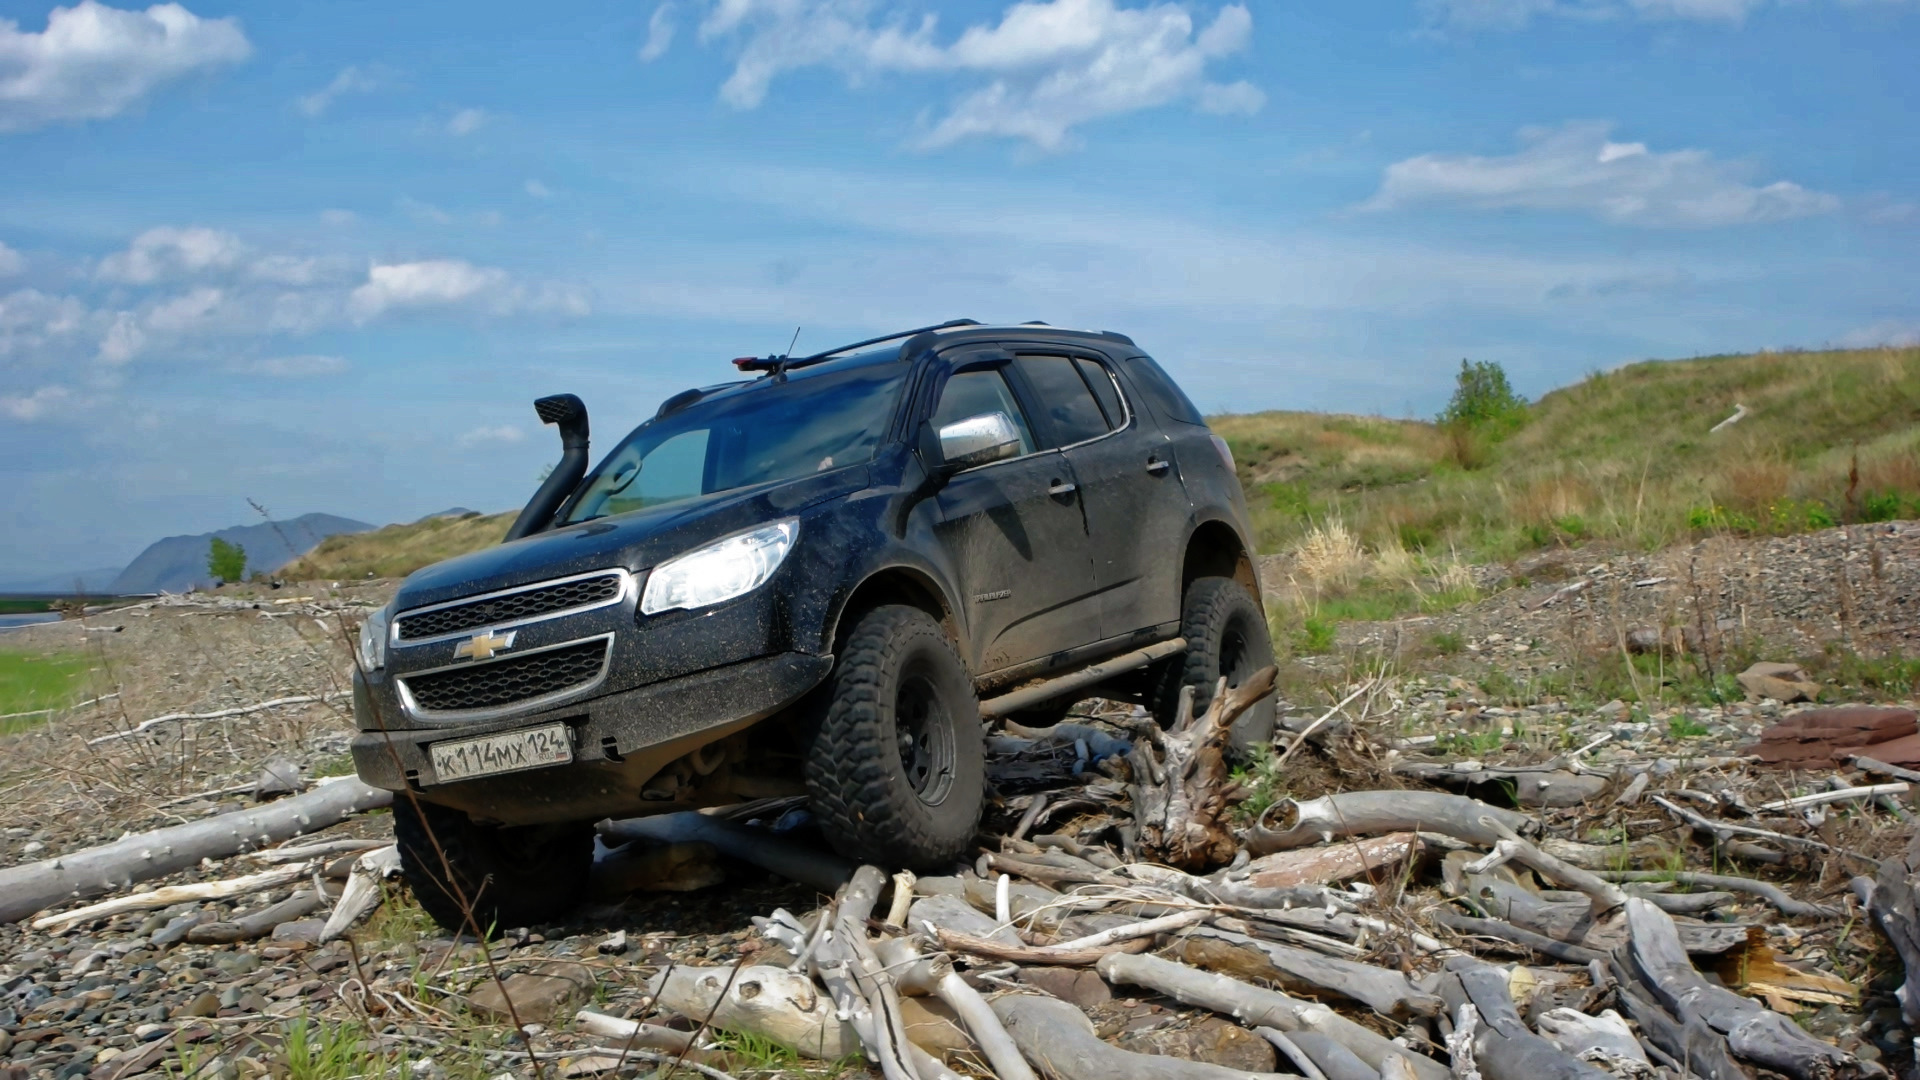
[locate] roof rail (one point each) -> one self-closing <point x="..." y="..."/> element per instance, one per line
<point x="779" y="365"/>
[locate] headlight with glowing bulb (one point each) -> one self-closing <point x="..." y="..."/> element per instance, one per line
<point x="722" y="570"/>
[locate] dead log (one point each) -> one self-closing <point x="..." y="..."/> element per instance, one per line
<point x="1290" y="824"/>
<point x="863" y="990"/>
<point x="1503" y="1047"/>
<point x="1180" y="778"/>
<point x="363" y="889"/>
<point x="1060" y="1040"/>
<point x="260" y="923"/>
<point x="1334" y="1061"/>
<point x="809" y="866"/>
<point x="1306" y="869"/>
<point x="1753" y="1031"/>
<point x="1253" y="1006"/>
<point x="1771" y="893"/>
<point x="771" y="1002"/>
<point x="1895" y="906"/>
<point x="1535" y="785"/>
<point x="1505" y="931"/>
<point x="1689" y="1041"/>
<point x="1247" y="958"/>
<point x="934" y="975"/>
<point x="1604" y="1040"/>
<point x="82" y="875"/>
<point x="1036" y="954"/>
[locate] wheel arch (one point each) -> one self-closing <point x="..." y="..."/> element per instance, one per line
<point x="1215" y="549"/>
<point x="896" y="584"/>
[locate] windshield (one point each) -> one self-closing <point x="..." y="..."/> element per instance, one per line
<point x="818" y="420"/>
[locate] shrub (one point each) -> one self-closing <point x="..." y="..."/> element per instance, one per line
<point x="226" y="562"/>
<point x="1483" y="400"/>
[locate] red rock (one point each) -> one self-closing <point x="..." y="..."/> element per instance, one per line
<point x="1834" y="734"/>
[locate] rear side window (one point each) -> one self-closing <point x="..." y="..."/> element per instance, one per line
<point x="1069" y="404"/>
<point x="1101" y="380"/>
<point x="1168" y="400"/>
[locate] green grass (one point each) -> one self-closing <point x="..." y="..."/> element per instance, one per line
<point x="30" y="681"/>
<point x="1624" y="456"/>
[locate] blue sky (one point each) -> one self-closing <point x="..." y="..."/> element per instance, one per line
<point x="323" y="255"/>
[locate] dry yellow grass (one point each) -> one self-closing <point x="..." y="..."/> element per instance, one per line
<point x="398" y="550"/>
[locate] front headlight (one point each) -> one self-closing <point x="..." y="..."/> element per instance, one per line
<point x="373" y="641"/>
<point x="720" y="571"/>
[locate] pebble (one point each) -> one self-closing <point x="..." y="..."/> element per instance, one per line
<point x="206" y="1004"/>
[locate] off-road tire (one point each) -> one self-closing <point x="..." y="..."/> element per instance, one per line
<point x="519" y="876"/>
<point x="918" y="805"/>
<point x="1221" y="623"/>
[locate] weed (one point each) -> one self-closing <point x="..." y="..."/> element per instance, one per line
<point x="329" y="1051"/>
<point x="1446" y="642"/>
<point x="1316" y="634"/>
<point x="1471" y="744"/>
<point x="1261" y="784"/>
<point x="1685" y="727"/>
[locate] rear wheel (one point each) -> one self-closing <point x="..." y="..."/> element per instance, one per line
<point x="896" y="768"/>
<point x="1226" y="635"/>
<point x="512" y="876"/>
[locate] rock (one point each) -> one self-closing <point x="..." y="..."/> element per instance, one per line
<point x="206" y="1004"/>
<point x="1643" y="639"/>
<point x="300" y="931"/>
<point x="1076" y="986"/>
<point x="1823" y="736"/>
<point x="176" y="929"/>
<point x="536" y="998"/>
<point x="1613" y="710"/>
<point x="932" y="1026"/>
<point x="1208" y="1039"/>
<point x="613" y="944"/>
<point x="1786" y="683"/>
<point x="279" y="776"/>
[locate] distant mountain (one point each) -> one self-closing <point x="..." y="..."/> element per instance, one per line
<point x="458" y="511"/>
<point x="180" y="562"/>
<point x="92" y="581"/>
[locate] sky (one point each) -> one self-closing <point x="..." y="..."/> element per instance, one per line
<point x="321" y="256"/>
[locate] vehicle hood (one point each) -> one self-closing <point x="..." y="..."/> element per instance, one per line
<point x="635" y="541"/>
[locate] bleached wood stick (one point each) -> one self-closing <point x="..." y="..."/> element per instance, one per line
<point x="174" y="894"/>
<point x="362" y="893"/>
<point x="1255" y="1006"/>
<point x="309" y="852"/>
<point x="1818" y="798"/>
<point x="934" y="975"/>
<point x="1605" y="895"/>
<point x="1061" y="1041"/>
<point x="1294" y="1055"/>
<point x="771" y="1002"/>
<point x="218" y="714"/>
<point x="81" y="875"/>
<point x="902" y="898"/>
<point x="1365" y="813"/>
<point x="633" y="1033"/>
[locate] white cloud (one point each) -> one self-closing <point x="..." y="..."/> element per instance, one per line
<point x="539" y="190"/>
<point x="339" y="218"/>
<point x="35" y="405"/>
<point x="467" y="121"/>
<point x="185" y="313"/>
<point x="502" y="434"/>
<point x="11" y="261"/>
<point x="94" y="61"/>
<point x="293" y="367"/>
<point x="31" y="320"/>
<point x="168" y="252"/>
<point x="423" y="284"/>
<point x="1050" y="65"/>
<point x="1577" y="168"/>
<point x="351" y="80"/>
<point x="659" y="34"/>
<point x="1902" y="334"/>
<point x="124" y="339"/>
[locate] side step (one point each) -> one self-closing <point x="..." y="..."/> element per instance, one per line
<point x="1029" y="696"/>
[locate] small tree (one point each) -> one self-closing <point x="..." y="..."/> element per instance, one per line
<point x="226" y="562"/>
<point x="1484" y="409"/>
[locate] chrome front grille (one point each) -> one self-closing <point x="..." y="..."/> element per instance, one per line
<point x="517" y="680"/>
<point x="510" y="607"/>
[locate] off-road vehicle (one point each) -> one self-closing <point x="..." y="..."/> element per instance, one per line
<point x="815" y="581"/>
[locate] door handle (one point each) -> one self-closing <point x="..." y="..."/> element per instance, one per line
<point x="1156" y="466"/>
<point x="1059" y="487"/>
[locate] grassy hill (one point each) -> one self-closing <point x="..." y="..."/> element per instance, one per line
<point x="399" y="550"/>
<point x="1627" y="456"/>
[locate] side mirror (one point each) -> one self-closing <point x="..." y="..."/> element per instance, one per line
<point x="978" y="440"/>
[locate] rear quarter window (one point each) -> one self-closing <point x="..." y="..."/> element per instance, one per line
<point x="1164" y="395"/>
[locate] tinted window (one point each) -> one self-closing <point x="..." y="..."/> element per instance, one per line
<point x="1103" y="388"/>
<point x="1071" y="410"/>
<point x="971" y="393"/>
<point x="1168" y="400"/>
<point x="815" y="421"/>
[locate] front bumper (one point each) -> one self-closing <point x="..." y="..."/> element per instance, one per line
<point x="620" y="740"/>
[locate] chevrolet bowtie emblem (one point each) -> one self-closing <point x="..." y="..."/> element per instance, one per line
<point x="483" y="646"/>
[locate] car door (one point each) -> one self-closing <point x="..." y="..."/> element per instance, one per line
<point x="1014" y="533"/>
<point x="1135" y="509"/>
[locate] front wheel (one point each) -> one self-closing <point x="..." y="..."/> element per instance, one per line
<point x="1226" y="635"/>
<point x="511" y="876"/>
<point x="897" y="765"/>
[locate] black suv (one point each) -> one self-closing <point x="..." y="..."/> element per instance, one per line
<point x="812" y="582"/>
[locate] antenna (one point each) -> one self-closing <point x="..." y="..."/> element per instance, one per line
<point x="780" y="362"/>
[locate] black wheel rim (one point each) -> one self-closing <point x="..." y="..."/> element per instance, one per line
<point x="924" y="733"/>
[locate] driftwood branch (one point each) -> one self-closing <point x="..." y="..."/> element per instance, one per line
<point x="174" y="894"/>
<point x="1253" y="1006"/>
<point x="1386" y="992"/>
<point x="1894" y="902"/>
<point x="1290" y="824"/>
<point x="1771" y="893"/>
<point x="81" y="875"/>
<point x="1060" y="1040"/>
<point x="218" y="714"/>
<point x="1180" y="795"/>
<point x="1503" y="1046"/>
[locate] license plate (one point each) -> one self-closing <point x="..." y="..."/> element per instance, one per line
<point x="512" y="751"/>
